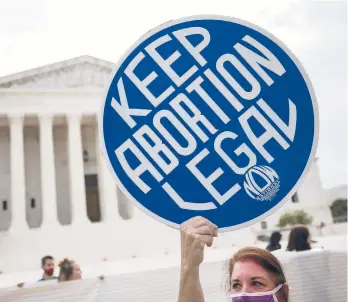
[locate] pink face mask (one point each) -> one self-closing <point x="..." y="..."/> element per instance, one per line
<point x="269" y="296"/>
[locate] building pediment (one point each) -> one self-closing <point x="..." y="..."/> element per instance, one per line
<point x="81" y="72"/>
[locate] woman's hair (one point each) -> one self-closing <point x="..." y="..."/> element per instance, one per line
<point x="274" y="242"/>
<point x="299" y="239"/>
<point x="66" y="270"/>
<point x="275" y="238"/>
<point x="263" y="258"/>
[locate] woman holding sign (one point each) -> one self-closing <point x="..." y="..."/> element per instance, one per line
<point x="255" y="275"/>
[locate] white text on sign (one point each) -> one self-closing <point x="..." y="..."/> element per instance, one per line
<point x="190" y="122"/>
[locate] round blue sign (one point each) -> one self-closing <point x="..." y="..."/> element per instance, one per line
<point x="209" y="116"/>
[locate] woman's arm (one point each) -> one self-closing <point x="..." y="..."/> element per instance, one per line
<point x="195" y="234"/>
<point x="190" y="286"/>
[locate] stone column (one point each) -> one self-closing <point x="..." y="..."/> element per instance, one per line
<point x="76" y="171"/>
<point x="107" y="185"/>
<point x="125" y="206"/>
<point x="48" y="175"/>
<point x="18" y="202"/>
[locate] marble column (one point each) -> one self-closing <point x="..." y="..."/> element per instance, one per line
<point x="48" y="175"/>
<point x="107" y="185"/>
<point x="76" y="171"/>
<point x="18" y="202"/>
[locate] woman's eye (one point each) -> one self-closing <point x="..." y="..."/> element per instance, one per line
<point x="235" y="286"/>
<point x="257" y="284"/>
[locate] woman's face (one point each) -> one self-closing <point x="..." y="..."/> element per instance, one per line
<point x="76" y="273"/>
<point x="250" y="277"/>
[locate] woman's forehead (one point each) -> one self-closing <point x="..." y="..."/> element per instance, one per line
<point x="248" y="269"/>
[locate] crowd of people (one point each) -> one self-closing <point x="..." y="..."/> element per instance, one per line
<point x="255" y="274"/>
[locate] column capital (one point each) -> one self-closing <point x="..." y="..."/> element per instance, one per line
<point x="46" y="119"/>
<point x="73" y="117"/>
<point x="15" y="117"/>
<point x="46" y="116"/>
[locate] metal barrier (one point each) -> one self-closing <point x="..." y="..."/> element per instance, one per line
<point x="317" y="275"/>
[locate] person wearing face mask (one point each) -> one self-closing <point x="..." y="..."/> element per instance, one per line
<point x="69" y="270"/>
<point x="47" y="265"/>
<point x="255" y="275"/>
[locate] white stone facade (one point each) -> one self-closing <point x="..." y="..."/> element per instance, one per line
<point x="312" y="199"/>
<point x="48" y="145"/>
<point x="339" y="192"/>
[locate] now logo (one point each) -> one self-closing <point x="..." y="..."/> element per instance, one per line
<point x="261" y="182"/>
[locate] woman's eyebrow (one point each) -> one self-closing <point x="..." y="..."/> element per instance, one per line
<point x="254" y="278"/>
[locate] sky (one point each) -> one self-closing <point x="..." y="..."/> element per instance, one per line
<point x="34" y="33"/>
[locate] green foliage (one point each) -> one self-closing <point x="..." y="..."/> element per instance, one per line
<point x="294" y="218"/>
<point x="339" y="208"/>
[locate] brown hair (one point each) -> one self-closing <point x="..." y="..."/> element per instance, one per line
<point x="43" y="260"/>
<point x="298" y="239"/>
<point x="66" y="270"/>
<point x="263" y="258"/>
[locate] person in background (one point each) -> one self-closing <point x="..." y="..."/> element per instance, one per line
<point x="69" y="270"/>
<point x="47" y="265"/>
<point x="274" y="242"/>
<point x="254" y="274"/>
<point x="299" y="239"/>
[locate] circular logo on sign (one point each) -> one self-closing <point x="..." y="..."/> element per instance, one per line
<point x="209" y="116"/>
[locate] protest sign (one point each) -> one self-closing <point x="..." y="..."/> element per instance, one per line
<point x="209" y="116"/>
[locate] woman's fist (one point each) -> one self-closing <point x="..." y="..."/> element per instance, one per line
<point x="195" y="234"/>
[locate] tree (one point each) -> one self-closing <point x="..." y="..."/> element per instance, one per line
<point x="286" y="219"/>
<point x="339" y="210"/>
<point x="295" y="217"/>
